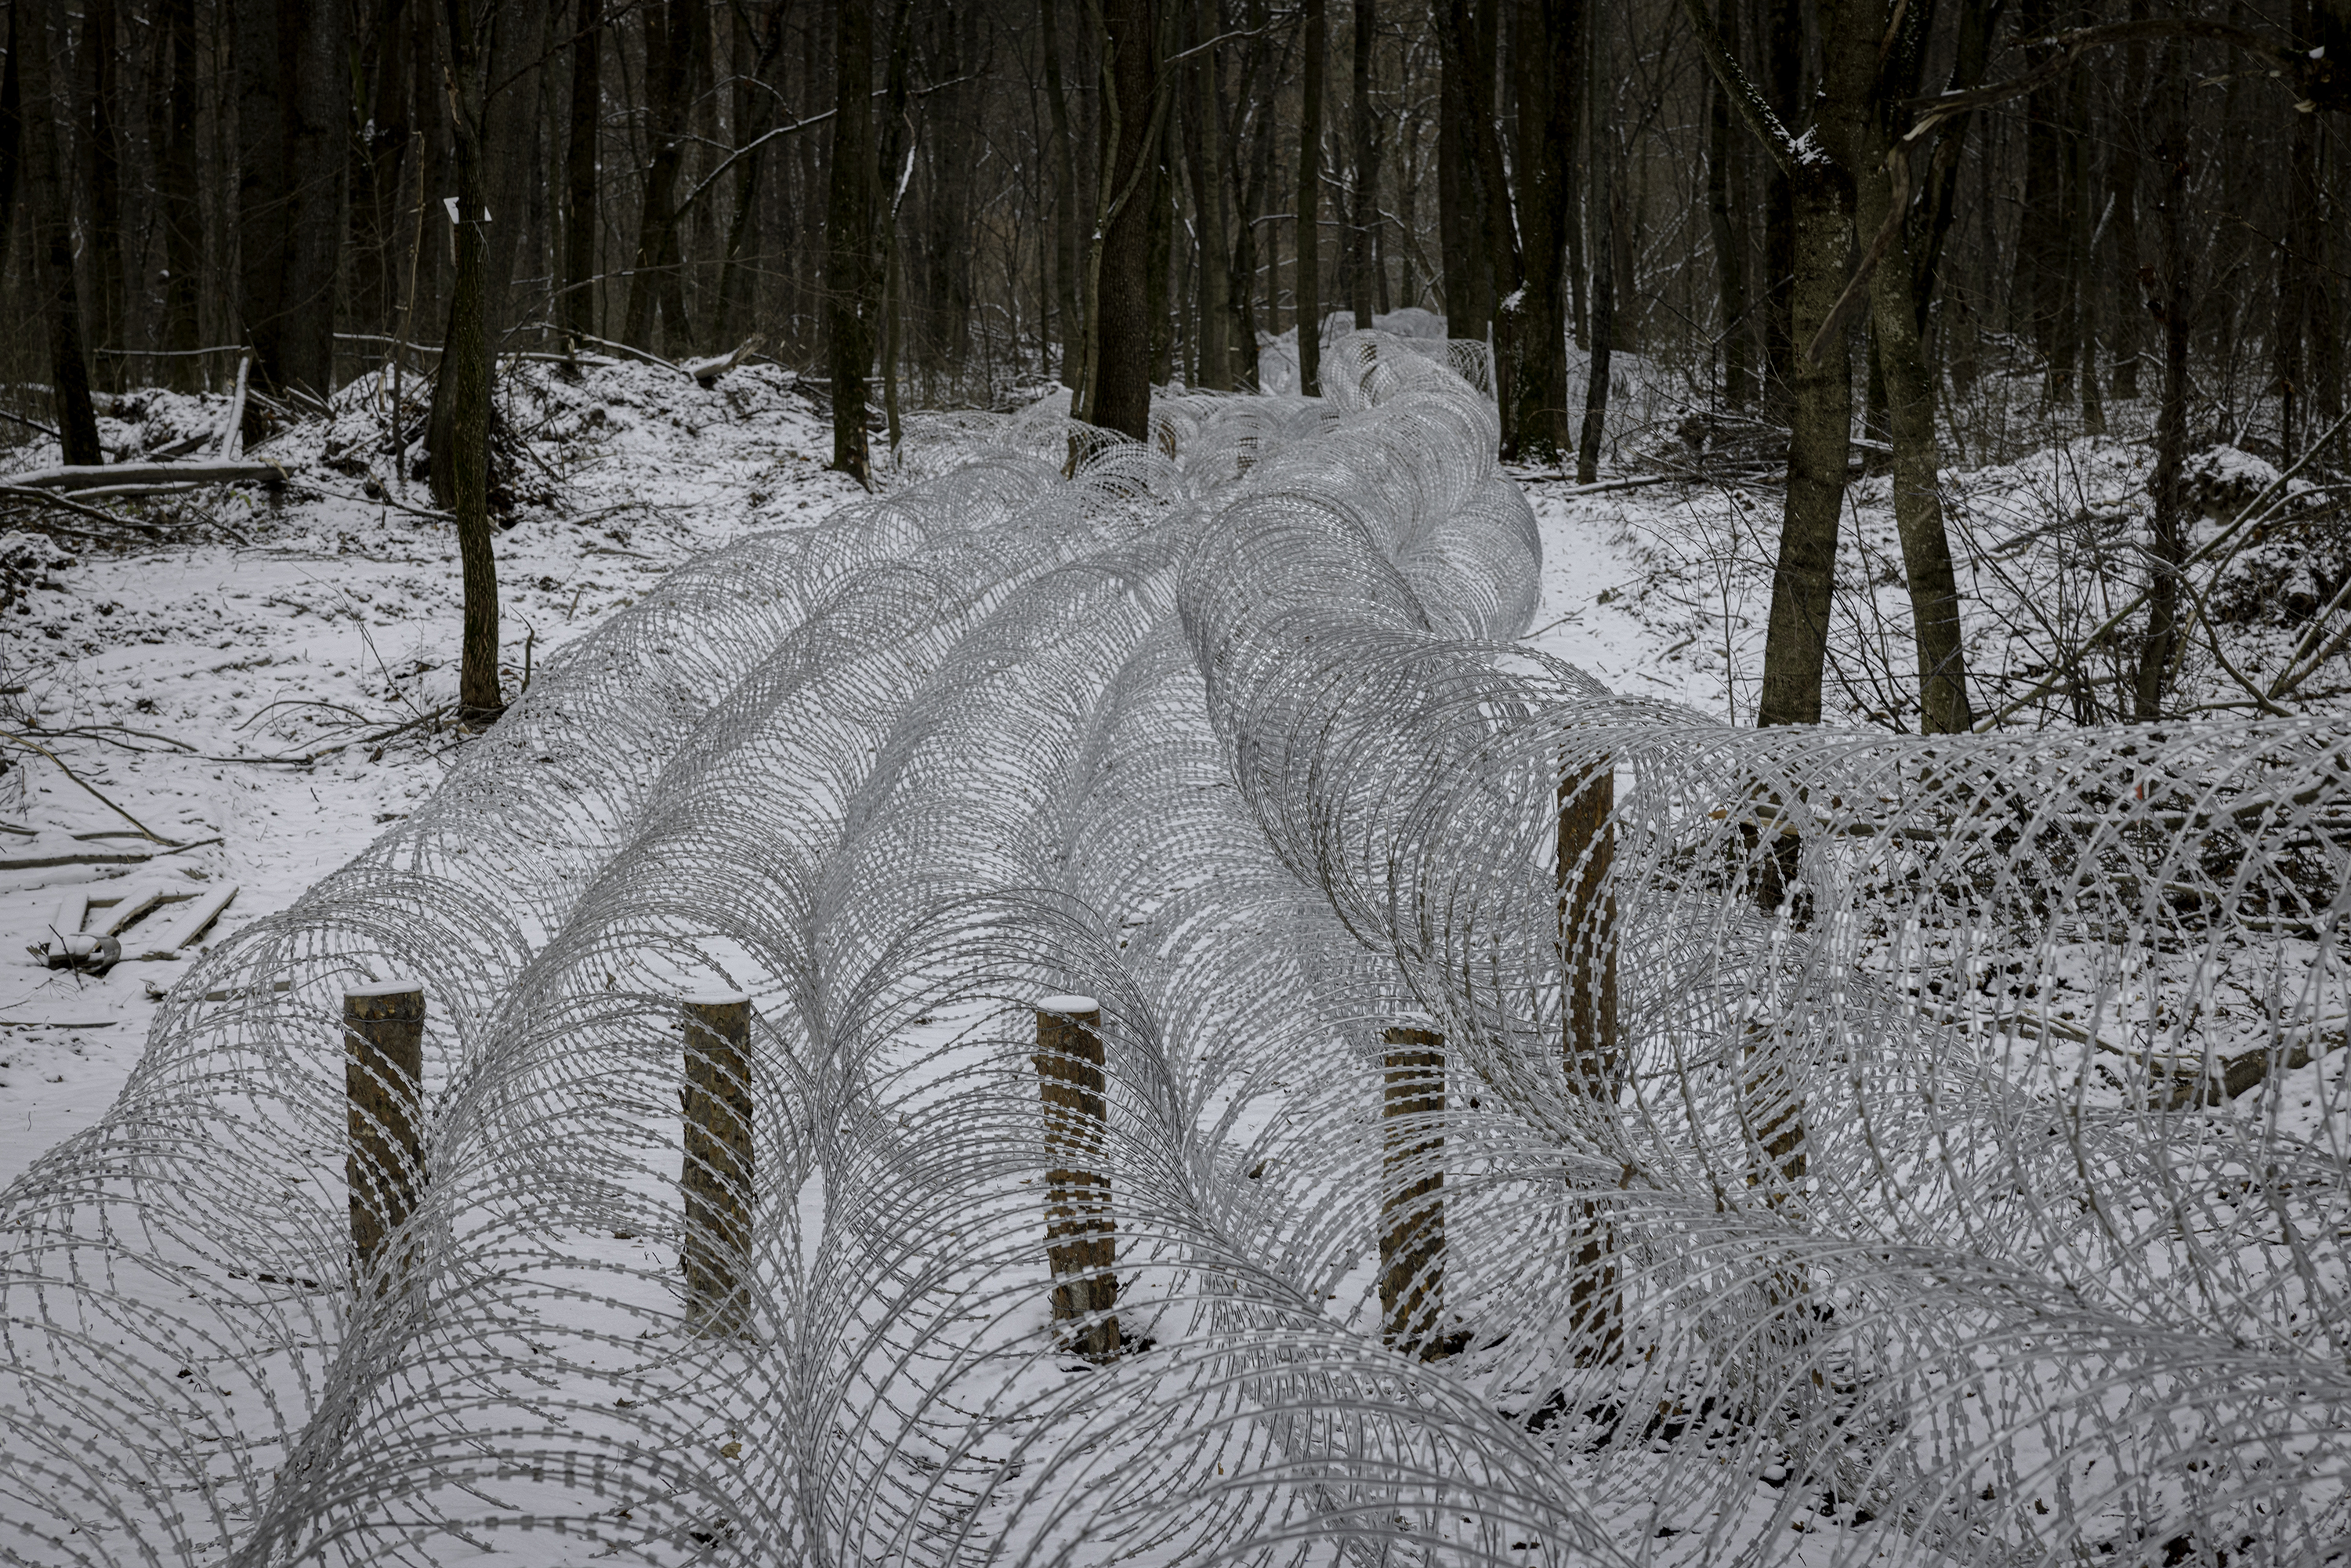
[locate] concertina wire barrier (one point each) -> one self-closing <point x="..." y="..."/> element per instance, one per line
<point x="1119" y="1018"/>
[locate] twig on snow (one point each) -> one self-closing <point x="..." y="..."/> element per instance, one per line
<point x="144" y="830"/>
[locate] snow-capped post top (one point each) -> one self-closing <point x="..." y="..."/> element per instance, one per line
<point x="1069" y="1005"/>
<point x="712" y="999"/>
<point x="390" y="987"/>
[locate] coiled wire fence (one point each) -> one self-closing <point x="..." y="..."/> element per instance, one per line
<point x="1118" y="1017"/>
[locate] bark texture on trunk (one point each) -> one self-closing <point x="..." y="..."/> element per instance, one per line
<point x="1820" y="399"/>
<point x="849" y="235"/>
<point x="1260" y="78"/>
<point x="464" y="456"/>
<point x="580" y="185"/>
<point x="1120" y="384"/>
<point x="110" y="300"/>
<point x="1885" y="78"/>
<point x="1204" y="154"/>
<point x="1363" y="219"/>
<point x="654" y="278"/>
<point x="12" y="130"/>
<point x="1782" y="40"/>
<point x="1066" y="202"/>
<point x="183" y="219"/>
<point x="1310" y="203"/>
<point x="2170" y="309"/>
<point x="1726" y="227"/>
<point x="52" y="235"/>
<point x="1549" y="35"/>
<point x="293" y="119"/>
<point x="1604" y="331"/>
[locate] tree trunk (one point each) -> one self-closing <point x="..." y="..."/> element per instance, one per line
<point x="183" y="233"/>
<point x="1782" y="40"/>
<point x="1872" y="122"/>
<point x="1065" y="203"/>
<point x="465" y="368"/>
<point x="53" y="260"/>
<point x="1365" y="216"/>
<point x="1795" y="640"/>
<point x="2086" y="285"/>
<point x="1243" y="278"/>
<point x="1545" y="60"/>
<point x="849" y="234"/>
<point x="1469" y="304"/>
<point x="2129" y="332"/>
<point x="1205" y="154"/>
<point x="12" y="133"/>
<point x="1119" y="385"/>
<point x="1161" y="304"/>
<point x="1603" y="328"/>
<point x="2036" y="287"/>
<point x="1795" y="645"/>
<point x="892" y="174"/>
<point x="293" y="114"/>
<point x="1918" y="497"/>
<point x="654" y="280"/>
<point x="2171" y="310"/>
<point x="1726" y="224"/>
<point x="512" y="174"/>
<point x="2297" y="250"/>
<point x="1310" y="203"/>
<point x="755" y="116"/>
<point x="580" y="181"/>
<point x="109" y="297"/>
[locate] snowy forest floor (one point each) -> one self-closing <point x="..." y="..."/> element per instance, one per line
<point x="261" y="686"/>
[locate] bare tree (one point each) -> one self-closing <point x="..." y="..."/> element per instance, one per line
<point x="656" y="278"/>
<point x="1310" y="201"/>
<point x="1795" y="645"/>
<point x="1363" y="216"/>
<point x="849" y="234"/>
<point x="579" y="184"/>
<point x="460" y="450"/>
<point x="1117" y="393"/>
<point x="53" y="234"/>
<point x="292" y="120"/>
<point x="1547" y="59"/>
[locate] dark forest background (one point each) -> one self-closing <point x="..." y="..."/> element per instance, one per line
<point x="1961" y="229"/>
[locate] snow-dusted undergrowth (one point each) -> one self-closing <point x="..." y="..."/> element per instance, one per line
<point x="1853" y="1148"/>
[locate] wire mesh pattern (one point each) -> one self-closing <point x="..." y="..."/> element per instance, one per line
<point x="1525" y="1124"/>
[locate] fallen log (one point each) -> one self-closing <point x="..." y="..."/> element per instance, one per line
<point x="706" y="373"/>
<point x="92" y="476"/>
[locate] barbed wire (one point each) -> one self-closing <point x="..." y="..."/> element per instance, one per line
<point x="1099" y="1007"/>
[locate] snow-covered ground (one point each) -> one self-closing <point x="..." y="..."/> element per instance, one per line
<point x="242" y="689"/>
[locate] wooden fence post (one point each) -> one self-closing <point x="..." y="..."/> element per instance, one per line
<point x="1081" y="1241"/>
<point x="1587" y="919"/>
<point x="1411" y="1207"/>
<point x="383" y="1075"/>
<point x="1772" y="1103"/>
<point x="716" y="1099"/>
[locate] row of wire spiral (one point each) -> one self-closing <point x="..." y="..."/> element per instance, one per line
<point x="1853" y="1146"/>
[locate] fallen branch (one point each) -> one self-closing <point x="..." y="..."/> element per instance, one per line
<point x="144" y="830"/>
<point x="232" y="427"/>
<point x="1607" y="485"/>
<point x="382" y="500"/>
<point x="91" y="475"/>
<point x="66" y="503"/>
<point x="706" y="373"/>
